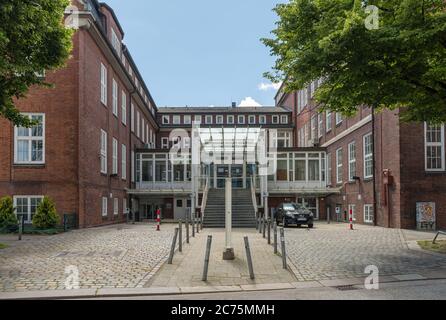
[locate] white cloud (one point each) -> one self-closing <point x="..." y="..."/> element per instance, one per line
<point x="249" y="102"/>
<point x="269" y="86"/>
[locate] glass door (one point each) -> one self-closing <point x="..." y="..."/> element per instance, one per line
<point x="237" y="176"/>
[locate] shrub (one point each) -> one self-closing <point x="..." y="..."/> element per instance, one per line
<point x="7" y="216"/>
<point x="46" y="216"/>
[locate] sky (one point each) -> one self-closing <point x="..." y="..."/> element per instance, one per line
<point x="201" y="52"/>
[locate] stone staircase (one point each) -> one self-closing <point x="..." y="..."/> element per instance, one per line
<point x="243" y="215"/>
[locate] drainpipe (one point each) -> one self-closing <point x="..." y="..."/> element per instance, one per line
<point x="129" y="153"/>
<point x="375" y="207"/>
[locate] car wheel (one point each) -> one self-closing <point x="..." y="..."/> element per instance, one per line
<point x="310" y="226"/>
<point x="298" y="225"/>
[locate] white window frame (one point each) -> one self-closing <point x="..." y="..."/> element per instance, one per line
<point x="29" y="139"/>
<point x="176" y="119"/>
<point x="28" y="214"/>
<point x="230" y="119"/>
<point x="124" y="162"/>
<point x="115" y="206"/>
<point x="368" y="157"/>
<point x="187" y="119"/>
<point x="339" y="166"/>
<point x="103" y="151"/>
<point x="115" y="98"/>
<point x="251" y="119"/>
<point x="103" y="84"/>
<point x="275" y="119"/>
<point x="132" y="117"/>
<point x="352" y="155"/>
<point x="284" y="119"/>
<point x="219" y="119"/>
<point x="440" y="144"/>
<point x="320" y="125"/>
<point x="209" y="119"/>
<point x="198" y="118"/>
<point x="339" y="118"/>
<point x="262" y="119"/>
<point x="314" y="127"/>
<point x="124" y="206"/>
<point x="115" y="41"/>
<point x="124" y="108"/>
<point x="104" y="207"/>
<point x="241" y="119"/>
<point x="368" y="213"/>
<point x="328" y="121"/>
<point x="165" y="119"/>
<point x="164" y="143"/>
<point x="115" y="156"/>
<point x="329" y="169"/>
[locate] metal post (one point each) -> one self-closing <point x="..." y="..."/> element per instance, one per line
<point x="260" y="225"/>
<point x="198" y="225"/>
<point x="201" y="223"/>
<point x="206" y="259"/>
<point x="328" y="216"/>
<point x="20" y="228"/>
<point x="282" y="242"/>
<point x="275" y="237"/>
<point x="172" y="248"/>
<point x="269" y="231"/>
<point x="249" y="259"/>
<point x="264" y="227"/>
<point x="257" y="223"/>
<point x="228" y="254"/>
<point x="193" y="226"/>
<point x="187" y="229"/>
<point x="180" y="242"/>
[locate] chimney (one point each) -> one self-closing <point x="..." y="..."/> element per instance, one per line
<point x="234" y="104"/>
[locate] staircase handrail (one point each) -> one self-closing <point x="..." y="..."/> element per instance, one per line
<point x="253" y="196"/>
<point x="205" y="197"/>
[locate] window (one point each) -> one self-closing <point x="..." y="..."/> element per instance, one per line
<point x="176" y="120"/>
<point x="115" y="97"/>
<point x="115" y="206"/>
<point x="103" y="152"/>
<point x="284" y="119"/>
<point x="338" y="118"/>
<point x="130" y="71"/>
<point x="306" y="135"/>
<point x="275" y="119"/>
<point x="164" y="143"/>
<point x="328" y="121"/>
<point x="351" y="161"/>
<point x="252" y="119"/>
<point x="115" y="42"/>
<point x="321" y="125"/>
<point x="123" y="60"/>
<point x="368" y="156"/>
<point x="368" y="213"/>
<point x="29" y="143"/>
<point x="166" y="119"/>
<point x="230" y="119"/>
<point x="329" y="171"/>
<point x="209" y="120"/>
<point x="115" y="157"/>
<point x="187" y="119"/>
<point x="138" y="124"/>
<point x="339" y="166"/>
<point x="124" y="108"/>
<point x="104" y="206"/>
<point x="313" y="127"/>
<point x="219" y="119"/>
<point x="197" y="118"/>
<point x="262" y="119"/>
<point x="434" y="153"/>
<point x="312" y="88"/>
<point x="352" y="208"/>
<point x="124" y="206"/>
<point x="103" y="84"/>
<point x="26" y="207"/>
<point x="283" y="140"/>
<point x="186" y="143"/>
<point x="132" y="116"/>
<point x="124" y="162"/>
<point x="241" y="119"/>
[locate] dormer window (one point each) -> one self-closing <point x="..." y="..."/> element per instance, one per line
<point x="252" y="119"/>
<point x="176" y="120"/>
<point x="275" y="119"/>
<point x="230" y="119"/>
<point x="115" y="42"/>
<point x="241" y="119"/>
<point x="219" y="119"/>
<point x="166" y="120"/>
<point x="262" y="119"/>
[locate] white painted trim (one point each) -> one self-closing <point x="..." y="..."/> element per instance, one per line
<point x="30" y="139"/>
<point x="441" y="144"/>
<point x="364" y="155"/>
<point x="344" y="133"/>
<point x="28" y="220"/>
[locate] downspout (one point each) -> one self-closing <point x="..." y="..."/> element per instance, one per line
<point x="375" y="208"/>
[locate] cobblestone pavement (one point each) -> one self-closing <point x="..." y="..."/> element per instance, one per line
<point x="120" y="256"/>
<point x="334" y="252"/>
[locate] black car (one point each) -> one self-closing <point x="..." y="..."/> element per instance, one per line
<point x="292" y="213"/>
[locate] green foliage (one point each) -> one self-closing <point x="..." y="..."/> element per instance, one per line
<point x="2" y="246"/>
<point x="401" y="64"/>
<point x="46" y="216"/>
<point x="33" y="39"/>
<point x="7" y="217"/>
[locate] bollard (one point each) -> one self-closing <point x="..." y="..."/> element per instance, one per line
<point x="193" y="226"/>
<point x="351" y="219"/>
<point x="282" y="242"/>
<point x="201" y="223"/>
<point x="180" y="234"/>
<point x="172" y="248"/>
<point x="249" y="259"/>
<point x="187" y="230"/>
<point x="20" y="228"/>
<point x="198" y="225"/>
<point x="269" y="231"/>
<point x="206" y="259"/>
<point x="275" y="237"/>
<point x="260" y="225"/>
<point x="264" y="228"/>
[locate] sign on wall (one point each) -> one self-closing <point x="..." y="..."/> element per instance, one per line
<point x="426" y="216"/>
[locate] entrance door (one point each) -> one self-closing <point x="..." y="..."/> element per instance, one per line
<point x="235" y="172"/>
<point x="237" y="176"/>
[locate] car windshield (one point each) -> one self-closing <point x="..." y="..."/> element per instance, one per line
<point x="289" y="206"/>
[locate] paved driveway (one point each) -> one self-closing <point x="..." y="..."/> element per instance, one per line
<point x="108" y="257"/>
<point x="334" y="252"/>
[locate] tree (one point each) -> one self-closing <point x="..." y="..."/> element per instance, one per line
<point x="399" y="64"/>
<point x="7" y="217"/>
<point x="33" y="39"/>
<point x="46" y="216"/>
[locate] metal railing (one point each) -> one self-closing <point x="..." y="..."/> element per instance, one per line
<point x="205" y="197"/>
<point x="253" y="196"/>
<point x="436" y="236"/>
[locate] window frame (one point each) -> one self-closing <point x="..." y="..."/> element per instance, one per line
<point x="275" y="119"/>
<point x="262" y="119"/>
<point x="176" y="119"/>
<point x="339" y="166"/>
<point x="187" y="119"/>
<point x="104" y="207"/>
<point x="352" y="161"/>
<point x="241" y="116"/>
<point x="339" y="118"/>
<point x="207" y="117"/>
<point x="219" y="119"/>
<point x="367" y="156"/>
<point x="28" y="197"/>
<point x="440" y="144"/>
<point x="103" y="151"/>
<point x="124" y="108"/>
<point x="115" y="97"/>
<point x="250" y="117"/>
<point x="329" y="169"/>
<point x="165" y="119"/>
<point x="29" y="139"/>
<point x="115" y="156"/>
<point x="230" y="116"/>
<point x="368" y="211"/>
<point x="164" y="143"/>
<point x="103" y="84"/>
<point x="282" y="117"/>
<point x="115" y="206"/>
<point x="123" y="162"/>
<point x="328" y="121"/>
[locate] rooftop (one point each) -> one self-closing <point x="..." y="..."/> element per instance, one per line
<point x="223" y="110"/>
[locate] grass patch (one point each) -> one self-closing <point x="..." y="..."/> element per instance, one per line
<point x="2" y="246"/>
<point x="439" y="246"/>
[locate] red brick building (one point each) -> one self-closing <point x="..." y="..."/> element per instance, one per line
<point x="382" y="166"/>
